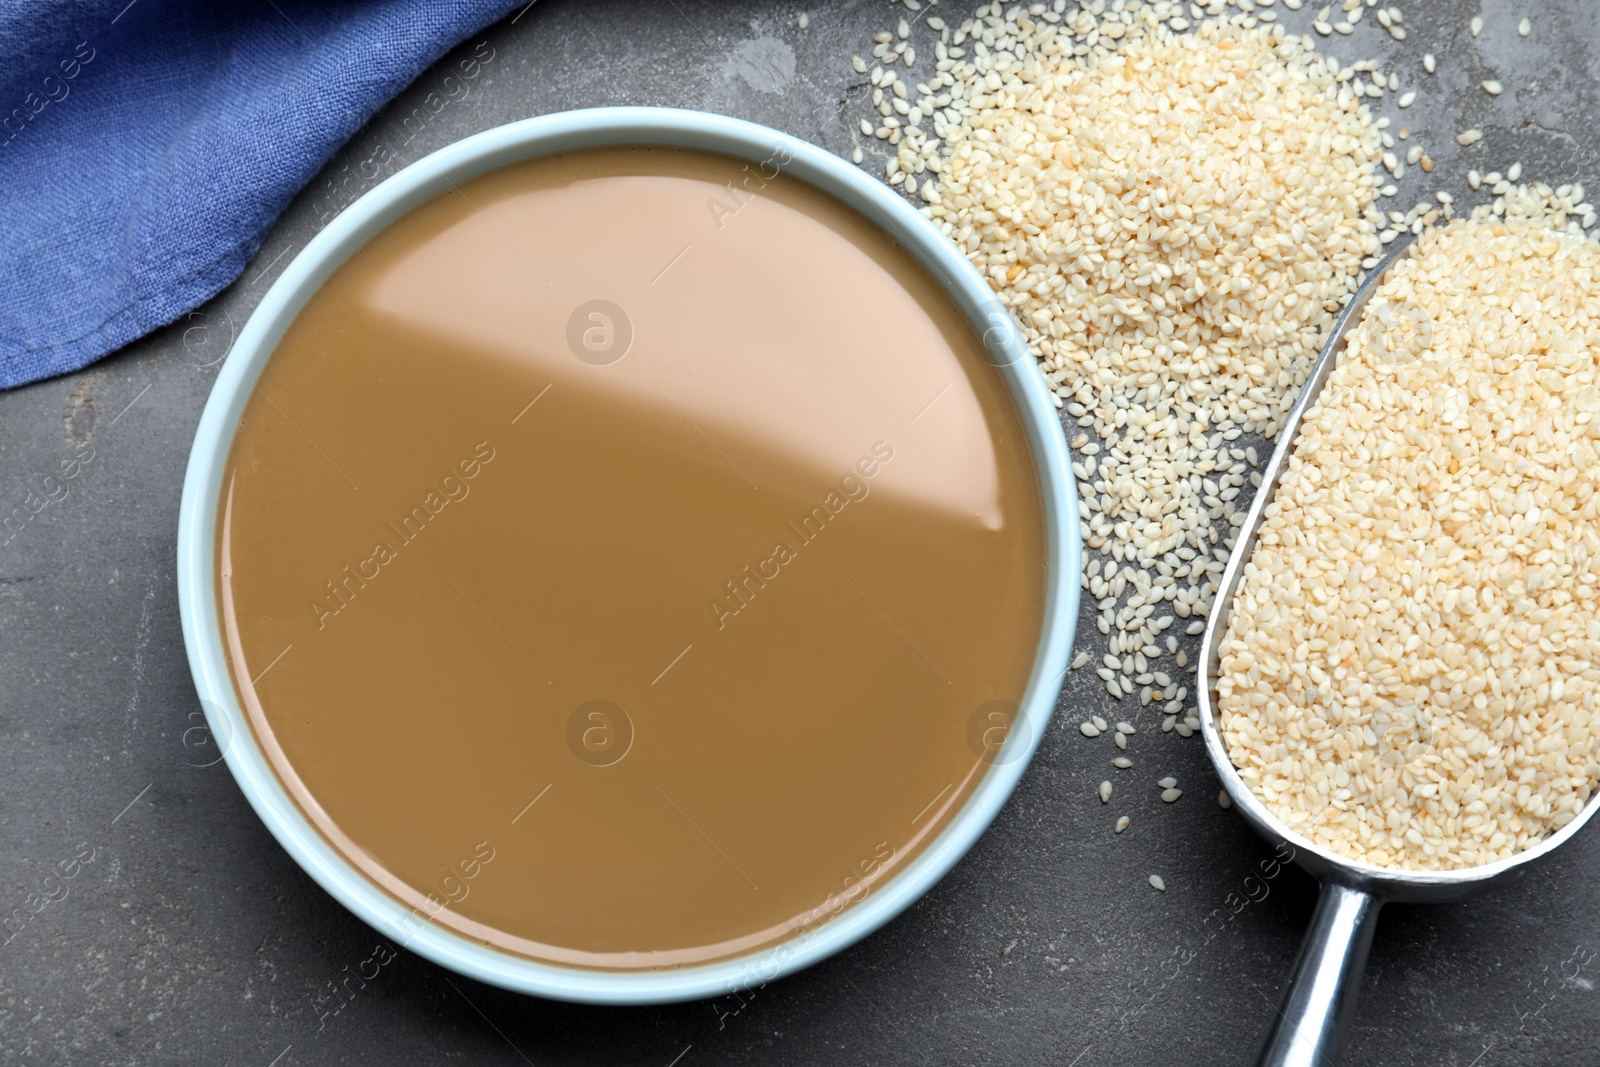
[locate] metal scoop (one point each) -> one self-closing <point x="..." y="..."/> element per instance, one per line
<point x="1316" y="1009"/>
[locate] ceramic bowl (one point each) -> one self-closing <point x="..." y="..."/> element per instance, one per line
<point x="421" y="182"/>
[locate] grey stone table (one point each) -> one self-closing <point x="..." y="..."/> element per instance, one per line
<point x="186" y="935"/>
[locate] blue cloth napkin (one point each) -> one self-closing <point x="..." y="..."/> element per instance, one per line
<point x="147" y="147"/>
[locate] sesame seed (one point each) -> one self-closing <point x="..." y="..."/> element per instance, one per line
<point x="1122" y="763"/>
<point x="1157" y="883"/>
<point x="1167" y="783"/>
<point x="1524" y="27"/>
<point x="1469" y="137"/>
<point x="1224" y="801"/>
<point x="1407" y="99"/>
<point x="1477" y="25"/>
<point x="1105" y="792"/>
<point x="1429" y="64"/>
<point x="1121" y="825"/>
<point x="1170" y="795"/>
<point x="1493" y="88"/>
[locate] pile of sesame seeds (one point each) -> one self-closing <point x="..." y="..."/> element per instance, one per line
<point x="1174" y="210"/>
<point x="1411" y="674"/>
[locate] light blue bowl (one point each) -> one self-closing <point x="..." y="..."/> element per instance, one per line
<point x="422" y="181"/>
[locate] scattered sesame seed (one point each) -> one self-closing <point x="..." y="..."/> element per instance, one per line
<point x="1121" y="825"/>
<point x="1122" y="763"/>
<point x="1166" y="783"/>
<point x="1157" y="883"/>
<point x="1105" y="792"/>
<point x="1524" y="27"/>
<point x="803" y="21"/>
<point x="1477" y="25"/>
<point x="1170" y="795"/>
<point x="1429" y="64"/>
<point x="1493" y="88"/>
<point x="1088" y="729"/>
<point x="1468" y="137"/>
<point x="1224" y="801"/>
<point x="1407" y="99"/>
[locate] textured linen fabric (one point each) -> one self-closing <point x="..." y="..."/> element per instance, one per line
<point x="146" y="148"/>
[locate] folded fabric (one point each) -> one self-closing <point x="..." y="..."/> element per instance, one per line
<point x="147" y="147"/>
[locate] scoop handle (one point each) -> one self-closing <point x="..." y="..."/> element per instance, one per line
<point x="1315" y="1013"/>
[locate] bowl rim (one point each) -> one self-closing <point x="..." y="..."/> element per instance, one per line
<point x="398" y="195"/>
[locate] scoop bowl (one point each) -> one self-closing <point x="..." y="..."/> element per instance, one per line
<point x="1317" y="1006"/>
